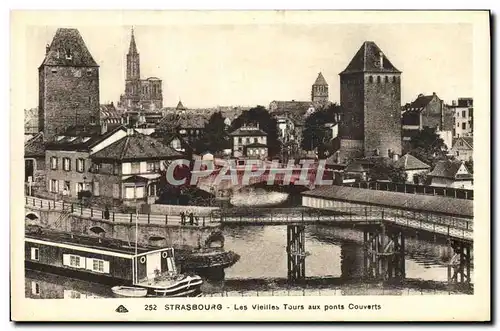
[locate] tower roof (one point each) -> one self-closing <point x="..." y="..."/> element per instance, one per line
<point x="367" y="59"/>
<point x="132" y="49"/>
<point x="320" y="80"/>
<point x="180" y="106"/>
<point x="68" y="49"/>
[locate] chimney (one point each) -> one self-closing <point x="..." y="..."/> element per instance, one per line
<point x="381" y="59"/>
<point x="47" y="48"/>
<point x="454" y="103"/>
<point x="104" y="127"/>
<point x="395" y="157"/>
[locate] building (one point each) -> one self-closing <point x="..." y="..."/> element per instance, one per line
<point x="370" y="96"/>
<point x="256" y="151"/>
<point x="427" y="111"/>
<point x="68" y="84"/>
<point x="111" y="115"/>
<point x="451" y="173"/>
<point x="463" y="148"/>
<point x="34" y="162"/>
<point x="67" y="159"/>
<point x="189" y="126"/>
<point x="247" y="135"/>
<point x="412" y="166"/>
<point x="31" y="125"/>
<point x="128" y="169"/>
<point x="140" y="94"/>
<point x="319" y="90"/>
<point x="463" y="110"/>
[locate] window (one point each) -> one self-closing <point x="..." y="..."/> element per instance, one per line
<point x="80" y="165"/>
<point x="370" y="79"/>
<point x="463" y="113"/>
<point x="53" y="187"/>
<point x="67" y="164"/>
<point x="255" y="140"/>
<point x="240" y="140"/>
<point x="152" y="190"/>
<point x="386" y="79"/>
<point x="153" y="166"/>
<point x="98" y="265"/>
<point x="74" y="261"/>
<point x="53" y="163"/>
<point x="35" y="288"/>
<point x="66" y="188"/>
<point x="393" y="79"/>
<point x="54" y="71"/>
<point x="464" y="126"/>
<point x="116" y="168"/>
<point x="458" y="153"/>
<point x="135" y="167"/>
<point x="79" y="187"/>
<point x="89" y="72"/>
<point x="458" y="125"/>
<point x="68" y="54"/>
<point x="378" y="79"/>
<point x="35" y="254"/>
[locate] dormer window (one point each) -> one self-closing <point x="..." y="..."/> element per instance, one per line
<point x="68" y="54"/>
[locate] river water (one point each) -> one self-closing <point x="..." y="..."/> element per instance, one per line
<point x="334" y="267"/>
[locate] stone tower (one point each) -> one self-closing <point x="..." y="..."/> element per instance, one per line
<point x="319" y="90"/>
<point x="68" y="92"/>
<point x="370" y="96"/>
<point x="133" y="78"/>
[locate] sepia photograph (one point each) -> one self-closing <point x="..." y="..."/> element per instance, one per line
<point x="270" y="165"/>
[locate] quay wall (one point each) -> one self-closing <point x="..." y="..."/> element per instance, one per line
<point x="154" y="233"/>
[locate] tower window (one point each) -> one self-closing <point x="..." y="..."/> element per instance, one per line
<point x="378" y="79"/>
<point x="393" y="79"/>
<point x="386" y="79"/>
<point x="68" y="54"/>
<point x="370" y="79"/>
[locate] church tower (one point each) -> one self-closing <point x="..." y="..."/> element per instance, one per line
<point x="370" y="96"/>
<point x="68" y="92"/>
<point x="319" y="90"/>
<point x="133" y="78"/>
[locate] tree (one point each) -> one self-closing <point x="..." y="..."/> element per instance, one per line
<point x="315" y="134"/>
<point x="385" y="169"/>
<point x="214" y="137"/>
<point x="428" y="147"/>
<point x="259" y="115"/>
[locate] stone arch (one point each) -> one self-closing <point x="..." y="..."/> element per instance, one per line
<point x="370" y="79"/>
<point x="97" y="230"/>
<point x="157" y="241"/>
<point x="33" y="216"/>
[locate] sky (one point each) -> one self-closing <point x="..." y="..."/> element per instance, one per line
<point x="251" y="64"/>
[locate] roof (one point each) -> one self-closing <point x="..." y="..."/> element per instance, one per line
<point x="136" y="146"/>
<point x="184" y="121"/>
<point x="292" y="106"/>
<point x="389" y="199"/>
<point x="80" y="138"/>
<point x="180" y="106"/>
<point x="248" y="131"/>
<point x="132" y="49"/>
<point x="367" y="59"/>
<point x="110" y="111"/>
<point x="320" y="80"/>
<point x="64" y="40"/>
<point x="256" y="145"/>
<point x="449" y="169"/>
<point x="419" y="104"/>
<point x="409" y="162"/>
<point x="355" y="167"/>
<point x="469" y="141"/>
<point x="35" y="147"/>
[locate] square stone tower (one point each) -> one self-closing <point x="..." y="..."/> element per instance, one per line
<point x="68" y="93"/>
<point x="370" y="96"/>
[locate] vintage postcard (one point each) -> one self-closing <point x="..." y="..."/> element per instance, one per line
<point x="250" y="166"/>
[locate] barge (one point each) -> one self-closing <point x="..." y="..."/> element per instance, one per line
<point x="107" y="261"/>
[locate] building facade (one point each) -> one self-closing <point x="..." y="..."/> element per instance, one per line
<point x="450" y="173"/>
<point x="370" y="96"/>
<point x="463" y="148"/>
<point x="68" y="84"/>
<point x="463" y="110"/>
<point x="140" y="94"/>
<point x="247" y="135"/>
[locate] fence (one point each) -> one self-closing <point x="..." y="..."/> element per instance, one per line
<point x="91" y="212"/>
<point x="457" y="193"/>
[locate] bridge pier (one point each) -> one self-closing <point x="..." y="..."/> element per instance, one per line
<point x="459" y="267"/>
<point x="296" y="254"/>
<point x="384" y="253"/>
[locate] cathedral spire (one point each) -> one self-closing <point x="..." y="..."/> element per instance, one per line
<point x="132" y="48"/>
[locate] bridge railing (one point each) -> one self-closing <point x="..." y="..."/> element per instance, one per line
<point x="91" y="212"/>
<point x="457" y="193"/>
